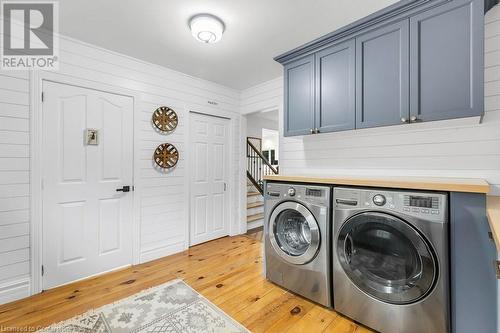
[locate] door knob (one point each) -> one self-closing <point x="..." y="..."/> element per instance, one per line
<point x="123" y="189"/>
<point x="404" y="120"/>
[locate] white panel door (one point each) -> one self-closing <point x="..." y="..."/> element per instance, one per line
<point x="209" y="178"/>
<point x="87" y="223"/>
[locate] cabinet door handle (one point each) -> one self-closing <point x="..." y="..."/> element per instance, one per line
<point x="404" y="120"/>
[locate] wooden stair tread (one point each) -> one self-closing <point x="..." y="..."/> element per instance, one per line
<point x="251" y="194"/>
<point x="255" y="204"/>
<point x="255" y="217"/>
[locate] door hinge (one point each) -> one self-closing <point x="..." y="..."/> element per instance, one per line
<point x="43" y="270"/>
<point x="43" y="96"/>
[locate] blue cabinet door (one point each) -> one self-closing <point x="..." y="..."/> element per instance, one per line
<point x="446" y="51"/>
<point x="299" y="97"/>
<point x="382" y="76"/>
<point x="335" y="88"/>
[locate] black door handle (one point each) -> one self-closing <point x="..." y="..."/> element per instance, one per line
<point x="348" y="248"/>
<point x="123" y="189"/>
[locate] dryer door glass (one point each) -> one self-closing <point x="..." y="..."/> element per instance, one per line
<point x="294" y="233"/>
<point x="387" y="258"/>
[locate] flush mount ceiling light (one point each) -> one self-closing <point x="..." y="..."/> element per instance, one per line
<point x="206" y="28"/>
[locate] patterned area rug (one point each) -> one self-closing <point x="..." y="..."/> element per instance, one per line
<point x="170" y="307"/>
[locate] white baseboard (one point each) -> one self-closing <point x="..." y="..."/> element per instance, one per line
<point x="14" y="290"/>
<point x="156" y="253"/>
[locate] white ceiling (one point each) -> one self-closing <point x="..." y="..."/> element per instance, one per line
<point x="256" y="31"/>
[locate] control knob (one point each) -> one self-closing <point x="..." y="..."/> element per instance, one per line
<point x="379" y="200"/>
<point x="291" y="191"/>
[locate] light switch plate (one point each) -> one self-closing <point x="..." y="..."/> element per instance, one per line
<point x="92" y="137"/>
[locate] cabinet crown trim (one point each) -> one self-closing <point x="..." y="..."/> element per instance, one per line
<point x="384" y="14"/>
<point x="397" y="10"/>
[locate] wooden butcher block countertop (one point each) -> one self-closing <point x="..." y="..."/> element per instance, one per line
<point x="414" y="183"/>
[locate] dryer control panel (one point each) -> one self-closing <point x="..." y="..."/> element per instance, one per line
<point x="427" y="205"/>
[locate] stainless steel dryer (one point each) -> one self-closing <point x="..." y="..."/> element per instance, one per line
<point x="390" y="259"/>
<point x="297" y="239"/>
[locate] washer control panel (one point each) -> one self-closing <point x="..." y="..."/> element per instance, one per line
<point x="310" y="193"/>
<point x="426" y="205"/>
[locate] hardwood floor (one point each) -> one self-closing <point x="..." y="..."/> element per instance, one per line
<point x="256" y="233"/>
<point x="227" y="271"/>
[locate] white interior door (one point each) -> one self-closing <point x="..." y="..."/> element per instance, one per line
<point x="209" y="178"/>
<point x="87" y="223"/>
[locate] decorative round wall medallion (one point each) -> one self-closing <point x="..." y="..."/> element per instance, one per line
<point x="166" y="156"/>
<point x="165" y="119"/>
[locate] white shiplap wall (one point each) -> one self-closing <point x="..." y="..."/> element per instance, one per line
<point x="266" y="96"/>
<point x="452" y="148"/>
<point x="14" y="185"/>
<point x="163" y="197"/>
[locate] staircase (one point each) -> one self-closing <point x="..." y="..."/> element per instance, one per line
<point x="257" y="167"/>
<point x="255" y="207"/>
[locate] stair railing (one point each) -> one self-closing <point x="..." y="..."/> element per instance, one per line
<point x="257" y="167"/>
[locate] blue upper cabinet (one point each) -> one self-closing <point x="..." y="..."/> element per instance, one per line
<point x="447" y="61"/>
<point x="382" y="76"/>
<point x="299" y="97"/>
<point x="416" y="60"/>
<point x="335" y="88"/>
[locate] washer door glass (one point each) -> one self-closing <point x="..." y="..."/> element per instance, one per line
<point x="386" y="258"/>
<point x="294" y="233"/>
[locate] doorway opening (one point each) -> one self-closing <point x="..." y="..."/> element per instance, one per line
<point x="262" y="155"/>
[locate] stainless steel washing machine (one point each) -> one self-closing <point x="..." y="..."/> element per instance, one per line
<point x="297" y="239"/>
<point x="390" y="259"/>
